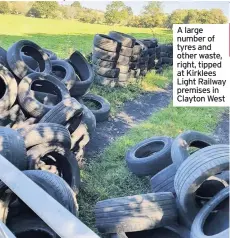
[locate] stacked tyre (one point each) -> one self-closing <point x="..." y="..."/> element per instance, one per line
<point x="104" y="60"/>
<point x="164" y="55"/>
<point x="124" y="59"/>
<point x="190" y="190"/>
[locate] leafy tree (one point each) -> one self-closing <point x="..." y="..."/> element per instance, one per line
<point x="76" y="4"/>
<point x="153" y="15"/>
<point x="4" y="7"/>
<point x="216" y="16"/>
<point x="177" y="17"/>
<point x="19" y="8"/>
<point x="117" y="12"/>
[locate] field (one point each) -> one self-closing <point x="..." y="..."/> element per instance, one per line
<point x="107" y="175"/>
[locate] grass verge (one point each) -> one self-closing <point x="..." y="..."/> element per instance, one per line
<point x="107" y="176"/>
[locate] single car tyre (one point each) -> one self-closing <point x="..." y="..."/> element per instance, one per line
<point x="183" y="141"/>
<point x="101" y="114"/>
<point x="126" y="51"/>
<point x="126" y="40"/>
<point x="64" y="71"/>
<point x="84" y="72"/>
<point x="105" y="81"/>
<point x="107" y="43"/>
<point x="103" y="63"/>
<point x="29" y="48"/>
<point x="197" y="230"/>
<point x="63" y="112"/>
<point x="149" y="156"/>
<point x="135" y="213"/>
<point x="105" y="55"/>
<point x="39" y="82"/>
<point x="196" y="169"/>
<point x="123" y="60"/>
<point x="8" y="89"/>
<point x="66" y="162"/>
<point x="106" y="72"/>
<point x="45" y="133"/>
<point x="163" y="181"/>
<point x="12" y="147"/>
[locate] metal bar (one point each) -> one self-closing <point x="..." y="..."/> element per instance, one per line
<point x="5" y="232"/>
<point x="64" y="223"/>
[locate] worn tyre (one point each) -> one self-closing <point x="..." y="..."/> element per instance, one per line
<point x="65" y="162"/>
<point x="197" y="168"/>
<point x="126" y="40"/>
<point x="123" y="77"/>
<point x="64" y="71"/>
<point x="149" y="156"/>
<point x="105" y="55"/>
<point x="163" y="181"/>
<point x="101" y="114"/>
<point x="51" y="54"/>
<point x="135" y="213"/>
<point x="29" y="48"/>
<point x="201" y="218"/>
<point x="45" y="133"/>
<point x="46" y="98"/>
<point x="107" y="43"/>
<point x="39" y="82"/>
<point x="105" y="81"/>
<point x="124" y="69"/>
<point x="63" y="112"/>
<point x="126" y="51"/>
<point x="103" y="63"/>
<point x="106" y="72"/>
<point x="183" y="141"/>
<point x="3" y="60"/>
<point x="123" y="60"/>
<point x="85" y="73"/>
<point x="13" y="147"/>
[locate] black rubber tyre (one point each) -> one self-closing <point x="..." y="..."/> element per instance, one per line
<point x="64" y="71"/>
<point x="167" y="60"/>
<point x="63" y="112"/>
<point x="172" y="231"/>
<point x="133" y="65"/>
<point x="46" y="98"/>
<point x="106" y="72"/>
<point x="105" y="81"/>
<point x="8" y="118"/>
<point x="163" y="181"/>
<point x="150" y="43"/>
<point x="85" y="73"/>
<point x="105" y="55"/>
<point x="144" y="60"/>
<point x="138" y="48"/>
<point x="3" y="60"/>
<point x="39" y="82"/>
<point x="151" y="51"/>
<point x="103" y="63"/>
<point x="126" y="40"/>
<point x="8" y="89"/>
<point x="65" y="162"/>
<point x="123" y="77"/>
<point x="45" y="133"/>
<point x="30" y="226"/>
<point x="123" y="60"/>
<point x="135" y="58"/>
<point x="12" y="147"/>
<point x="135" y="213"/>
<point x="126" y="51"/>
<point x="51" y="54"/>
<point x="197" y="168"/>
<point x="163" y="54"/>
<point x="101" y="114"/>
<point x="107" y="43"/>
<point x="201" y="218"/>
<point x="31" y="62"/>
<point x="149" y="156"/>
<point x="29" y="48"/>
<point x="181" y="144"/>
<point x="123" y="68"/>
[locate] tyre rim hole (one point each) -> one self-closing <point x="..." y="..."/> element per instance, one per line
<point x="59" y="71"/>
<point x="217" y="221"/>
<point x="36" y="55"/>
<point x="149" y="149"/>
<point x="46" y="87"/>
<point x="2" y="87"/>
<point x="92" y="104"/>
<point x="34" y="234"/>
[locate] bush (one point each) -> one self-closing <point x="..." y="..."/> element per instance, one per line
<point x="4" y="8"/>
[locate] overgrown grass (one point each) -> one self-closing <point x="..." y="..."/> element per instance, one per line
<point x="107" y="176"/>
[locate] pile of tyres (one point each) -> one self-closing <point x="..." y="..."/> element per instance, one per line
<point x="118" y="58"/>
<point x="44" y="127"/>
<point x="190" y="190"/>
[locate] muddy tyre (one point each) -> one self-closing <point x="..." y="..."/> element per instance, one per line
<point x="126" y="40"/>
<point x="107" y="43"/>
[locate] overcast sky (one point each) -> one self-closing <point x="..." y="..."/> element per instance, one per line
<point x="137" y="6"/>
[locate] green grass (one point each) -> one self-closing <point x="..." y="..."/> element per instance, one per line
<point x="65" y="36"/>
<point x="107" y="176"/>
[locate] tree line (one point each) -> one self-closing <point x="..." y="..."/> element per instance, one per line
<point x="152" y="15"/>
